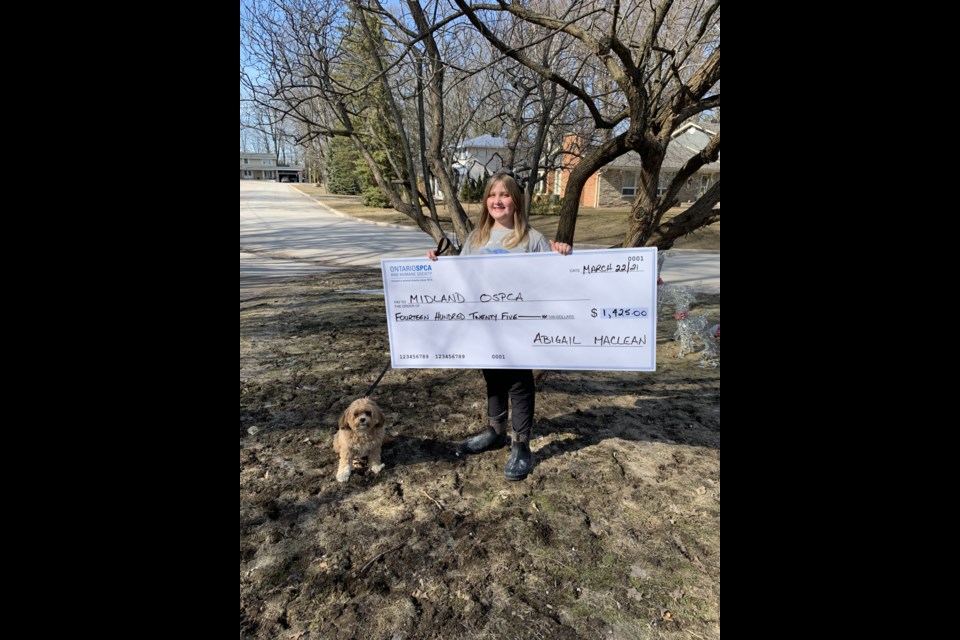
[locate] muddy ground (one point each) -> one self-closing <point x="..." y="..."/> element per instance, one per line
<point x="615" y="534"/>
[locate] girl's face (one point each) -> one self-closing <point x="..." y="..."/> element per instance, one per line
<point x="500" y="206"/>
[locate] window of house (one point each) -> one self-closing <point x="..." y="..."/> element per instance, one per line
<point x="246" y="161"/>
<point x="247" y="173"/>
<point x="666" y="177"/>
<point x="629" y="185"/>
<point x="704" y="184"/>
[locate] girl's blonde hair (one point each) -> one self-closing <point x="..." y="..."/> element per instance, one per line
<point x="521" y="225"/>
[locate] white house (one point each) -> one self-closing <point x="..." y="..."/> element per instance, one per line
<point x="476" y="158"/>
<point x="264" y="166"/>
<point x="258" y="166"/>
<point x="478" y="155"/>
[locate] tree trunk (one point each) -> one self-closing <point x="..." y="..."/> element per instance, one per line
<point x="699" y="215"/>
<point x="609" y="150"/>
<point x="547" y="100"/>
<point x="570" y="205"/>
<point x="434" y="151"/>
<point x="645" y="214"/>
<point x="422" y="141"/>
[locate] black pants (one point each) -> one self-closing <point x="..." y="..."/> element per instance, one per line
<point x="517" y="385"/>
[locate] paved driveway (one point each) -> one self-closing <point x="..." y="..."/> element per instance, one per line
<point x="284" y="233"/>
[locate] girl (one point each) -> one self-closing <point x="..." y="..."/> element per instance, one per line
<point x="504" y="228"/>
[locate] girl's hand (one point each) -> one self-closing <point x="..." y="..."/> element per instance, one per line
<point x="432" y="254"/>
<point x="561" y="247"/>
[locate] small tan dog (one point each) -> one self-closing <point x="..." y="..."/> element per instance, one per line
<point x="361" y="433"/>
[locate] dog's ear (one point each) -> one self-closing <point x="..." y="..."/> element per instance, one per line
<point x="344" y="423"/>
<point x="377" y="415"/>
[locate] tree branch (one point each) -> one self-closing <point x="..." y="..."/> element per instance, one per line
<point x="599" y="120"/>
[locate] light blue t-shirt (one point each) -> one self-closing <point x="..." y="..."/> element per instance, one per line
<point x="536" y="242"/>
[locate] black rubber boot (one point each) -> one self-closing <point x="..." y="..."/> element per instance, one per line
<point x="520" y="462"/>
<point x="485" y="441"/>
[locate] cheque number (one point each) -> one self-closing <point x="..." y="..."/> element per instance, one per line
<point x="498" y="356"/>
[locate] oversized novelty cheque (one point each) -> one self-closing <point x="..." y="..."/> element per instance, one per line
<point x="586" y="310"/>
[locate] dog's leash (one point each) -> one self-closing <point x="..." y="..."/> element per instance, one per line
<point x="374" y="385"/>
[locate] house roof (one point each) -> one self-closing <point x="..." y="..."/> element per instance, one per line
<point x="712" y="128"/>
<point x="676" y="158"/>
<point x="485" y="141"/>
<point x="687" y="141"/>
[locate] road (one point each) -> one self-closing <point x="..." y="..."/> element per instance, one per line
<point x="286" y="234"/>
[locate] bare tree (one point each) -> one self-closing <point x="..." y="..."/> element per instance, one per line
<point x="432" y="64"/>
<point x="332" y="67"/>
<point x="657" y="66"/>
<point x="531" y="112"/>
<point x="405" y="85"/>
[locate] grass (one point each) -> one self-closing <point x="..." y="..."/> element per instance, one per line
<point x="595" y="226"/>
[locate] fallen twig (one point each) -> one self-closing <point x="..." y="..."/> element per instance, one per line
<point x="370" y="562"/>
<point x="435" y="501"/>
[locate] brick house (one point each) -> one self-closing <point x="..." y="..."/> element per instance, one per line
<point x="615" y="185"/>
